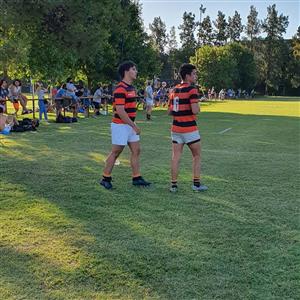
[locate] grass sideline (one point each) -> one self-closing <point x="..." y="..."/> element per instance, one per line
<point x="63" y="237"/>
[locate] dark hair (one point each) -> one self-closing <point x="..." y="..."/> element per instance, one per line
<point x="1" y="81"/>
<point x="125" y="66"/>
<point x="68" y="79"/>
<point x="186" y="69"/>
<point x="63" y="86"/>
<point x="1" y="110"/>
<point x="14" y="82"/>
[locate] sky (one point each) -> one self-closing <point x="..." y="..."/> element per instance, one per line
<point x="171" y="11"/>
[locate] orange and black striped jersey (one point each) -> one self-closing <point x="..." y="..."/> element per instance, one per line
<point x="125" y="95"/>
<point x="180" y="101"/>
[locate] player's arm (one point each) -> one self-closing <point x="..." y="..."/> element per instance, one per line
<point x="120" y="109"/>
<point x="171" y="96"/>
<point x="124" y="117"/>
<point x="194" y="100"/>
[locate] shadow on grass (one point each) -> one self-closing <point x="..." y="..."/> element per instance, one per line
<point x="143" y="243"/>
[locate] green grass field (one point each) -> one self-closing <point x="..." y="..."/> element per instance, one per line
<point x="62" y="236"/>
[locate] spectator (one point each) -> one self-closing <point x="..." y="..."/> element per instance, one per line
<point x="40" y="91"/>
<point x="6" y="122"/>
<point x="209" y="94"/>
<point x="213" y="93"/>
<point x="71" y="92"/>
<point x="3" y="94"/>
<point x="163" y="94"/>
<point x="15" y="96"/>
<point x="59" y="99"/>
<point x="239" y="93"/>
<point x="149" y="99"/>
<point x="222" y="94"/>
<point x="97" y="98"/>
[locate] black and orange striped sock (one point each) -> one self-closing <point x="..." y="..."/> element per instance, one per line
<point x="196" y="181"/>
<point x="173" y="183"/>
<point x="136" y="176"/>
<point x="107" y="177"/>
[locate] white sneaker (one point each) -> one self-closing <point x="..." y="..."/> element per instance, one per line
<point x="173" y="189"/>
<point x="200" y="188"/>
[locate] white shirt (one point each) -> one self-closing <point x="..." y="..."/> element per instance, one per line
<point x="97" y="95"/>
<point x="149" y="93"/>
<point x="71" y="88"/>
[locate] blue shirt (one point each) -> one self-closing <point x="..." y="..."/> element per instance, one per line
<point x="60" y="93"/>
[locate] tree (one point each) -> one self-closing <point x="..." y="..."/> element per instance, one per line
<point x="216" y="67"/>
<point x="187" y="28"/>
<point x="187" y="37"/>
<point x="274" y="26"/>
<point x="253" y="26"/>
<point x="294" y="61"/>
<point x="221" y="32"/>
<point x="158" y="34"/>
<point x="246" y="71"/>
<point x="172" y="40"/>
<point x="235" y="27"/>
<point x="14" y="42"/>
<point x="296" y="44"/>
<point x="205" y="32"/>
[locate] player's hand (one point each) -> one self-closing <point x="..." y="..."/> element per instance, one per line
<point x="137" y="130"/>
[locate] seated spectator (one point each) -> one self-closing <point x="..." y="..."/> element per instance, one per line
<point x="54" y="91"/>
<point x="6" y="122"/>
<point x="60" y="99"/>
<point x="86" y="102"/>
<point x="15" y="95"/>
<point x="3" y="94"/>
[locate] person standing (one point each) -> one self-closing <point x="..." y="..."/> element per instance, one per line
<point x="40" y="91"/>
<point x="149" y="100"/>
<point x="71" y="92"/>
<point x="183" y="106"/>
<point x="97" y="99"/>
<point x="124" y="131"/>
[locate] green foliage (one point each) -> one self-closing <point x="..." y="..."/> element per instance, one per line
<point x="235" y="27"/>
<point x="273" y="64"/>
<point x="67" y="37"/>
<point x="172" y="40"/>
<point x="158" y="34"/>
<point x="187" y="29"/>
<point x="216" y="67"/>
<point x="246" y="70"/>
<point x="225" y="66"/>
<point x="221" y="29"/>
<point x="205" y="32"/>
<point x="253" y="27"/>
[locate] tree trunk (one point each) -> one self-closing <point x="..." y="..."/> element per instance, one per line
<point x="5" y="73"/>
<point x="266" y="89"/>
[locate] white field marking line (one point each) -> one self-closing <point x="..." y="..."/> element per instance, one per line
<point x="225" y="130"/>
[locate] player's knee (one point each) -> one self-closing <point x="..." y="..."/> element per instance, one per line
<point x="136" y="152"/>
<point x="116" y="153"/>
